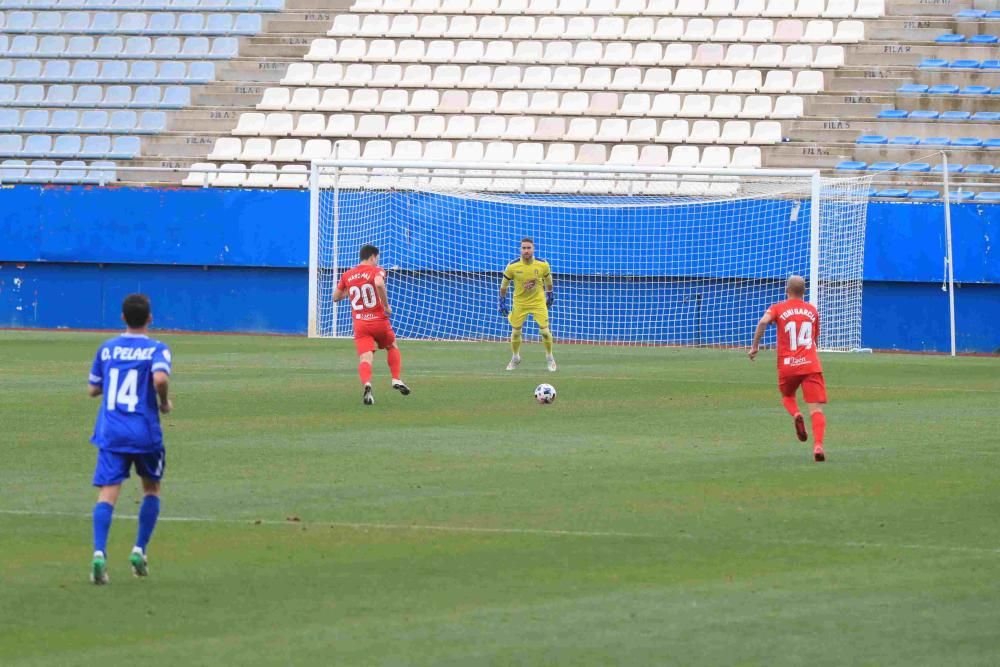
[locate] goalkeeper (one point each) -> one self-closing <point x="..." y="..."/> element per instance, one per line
<point x="529" y="276"/>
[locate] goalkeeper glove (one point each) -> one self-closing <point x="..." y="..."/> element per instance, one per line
<point x="502" y="306"/>
<point x="550" y="296"/>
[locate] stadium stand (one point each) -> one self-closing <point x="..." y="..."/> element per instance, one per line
<point x="265" y="86"/>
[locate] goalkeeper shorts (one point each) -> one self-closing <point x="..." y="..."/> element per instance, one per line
<point x="519" y="314"/>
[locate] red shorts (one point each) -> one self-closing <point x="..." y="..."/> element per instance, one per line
<point x="813" y="387"/>
<point x="369" y="334"/>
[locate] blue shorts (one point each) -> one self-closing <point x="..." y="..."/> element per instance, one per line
<point x="113" y="467"/>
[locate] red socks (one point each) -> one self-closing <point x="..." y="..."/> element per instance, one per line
<point x="365" y="371"/>
<point x="395" y="360"/>
<point x="790" y="404"/>
<point x="819" y="427"/>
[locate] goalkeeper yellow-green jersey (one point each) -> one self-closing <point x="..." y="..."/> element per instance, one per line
<point x="530" y="281"/>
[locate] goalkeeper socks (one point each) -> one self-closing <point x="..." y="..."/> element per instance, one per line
<point x="515" y="342"/>
<point x="791" y="405"/>
<point x="819" y="427"/>
<point x="365" y="371"/>
<point x="395" y="360"/>
<point x="102" y="525"/>
<point x="148" y="513"/>
<point x="547" y="341"/>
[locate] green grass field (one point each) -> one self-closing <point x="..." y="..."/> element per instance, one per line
<point x="660" y="512"/>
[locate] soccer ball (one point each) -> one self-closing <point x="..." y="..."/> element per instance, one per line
<point x="545" y="393"/>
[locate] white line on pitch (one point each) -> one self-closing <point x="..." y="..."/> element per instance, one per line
<point x="517" y="531"/>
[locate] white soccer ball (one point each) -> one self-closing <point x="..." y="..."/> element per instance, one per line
<point x="545" y="393"/>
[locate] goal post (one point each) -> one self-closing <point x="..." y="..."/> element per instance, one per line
<point x="640" y="256"/>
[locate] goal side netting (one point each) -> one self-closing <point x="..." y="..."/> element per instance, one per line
<point x="639" y="258"/>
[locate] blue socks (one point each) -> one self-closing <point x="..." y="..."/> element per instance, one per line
<point x="148" y="513"/>
<point x="102" y="525"/>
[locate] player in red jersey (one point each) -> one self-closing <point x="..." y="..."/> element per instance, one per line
<point x="798" y="362"/>
<point x="370" y="311"/>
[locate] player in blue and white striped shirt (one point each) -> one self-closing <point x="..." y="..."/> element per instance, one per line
<point x="131" y="371"/>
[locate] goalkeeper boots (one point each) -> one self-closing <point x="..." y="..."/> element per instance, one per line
<point x="99" y="569"/>
<point x="818" y="454"/>
<point x="515" y="361"/>
<point x="140" y="567"/>
<point x="800" y="428"/>
<point x="550" y="363"/>
<point x="367" y="398"/>
<point x="401" y="387"/>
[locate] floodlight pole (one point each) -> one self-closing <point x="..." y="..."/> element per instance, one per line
<point x="949" y="257"/>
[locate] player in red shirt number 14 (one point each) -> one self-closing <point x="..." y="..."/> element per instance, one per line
<point x="364" y="286"/>
<point x="798" y="362"/>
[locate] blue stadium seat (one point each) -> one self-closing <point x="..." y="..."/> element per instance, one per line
<point x="84" y="71"/>
<point x="967" y="142"/>
<point x="19" y="22"/>
<point x="871" y="139"/>
<point x="923" y="114"/>
<point x="37" y="145"/>
<point x="64" y="120"/>
<point x="971" y="14"/>
<point x="883" y="166"/>
<point x="928" y="63"/>
<point x="152" y="122"/>
<point x="76" y="22"/>
<point x="964" y="63"/>
<point x="166" y="47"/>
<point x="851" y="165"/>
<point x="912" y="88"/>
<point x="12" y="171"/>
<point x="219" y="24"/>
<point x="200" y="72"/>
<point x="176" y="97"/>
<point x="979" y="169"/>
<point x="961" y="195"/>
<point x="915" y="167"/>
<point x="986" y="115"/>
<point x="35" y="120"/>
<point x="71" y="171"/>
<point x="975" y="90"/>
<point x="953" y="168"/>
<point x="892" y="113"/>
<point x="7" y="93"/>
<point x="40" y="171"/>
<point x="190" y="24"/>
<point x="984" y="39"/>
<point x="943" y="89"/>
<point x="56" y="70"/>
<point x="116" y="96"/>
<point x="935" y="141"/>
<point x="988" y="196"/>
<point x="993" y="14"/>
<point x="905" y="140"/>
<point x="142" y="71"/>
<point x="28" y="70"/>
<point x="93" y="121"/>
<point x="196" y="47"/>
<point x="995" y="91"/>
<point x="224" y="47"/>
<point x="66" y="145"/>
<point x="270" y="5"/>
<point x="46" y="22"/>
<point x="949" y="38"/>
<point x="147" y="97"/>
<point x="113" y="71"/>
<point x="96" y="146"/>
<point x="6" y="69"/>
<point x="88" y="96"/>
<point x="955" y="115"/>
<point x="892" y="192"/>
<point x="79" y="46"/>
<point x="924" y="194"/>
<point x="171" y="72"/>
<point x="23" y="46"/>
<point x="30" y="95"/>
<point x="138" y="47"/>
<point x="248" y="24"/>
<point x="10" y="120"/>
<point x="991" y="143"/>
<point x="59" y="95"/>
<point x="990" y="64"/>
<point x="125" y="147"/>
<point x="104" y="23"/>
<point x="10" y="144"/>
<point x="123" y="121"/>
<point x="160" y="24"/>
<point x="109" y="46"/>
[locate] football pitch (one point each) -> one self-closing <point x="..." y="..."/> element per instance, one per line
<point x="660" y="512"/>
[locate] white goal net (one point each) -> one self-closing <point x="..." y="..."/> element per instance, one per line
<point x="638" y="257"/>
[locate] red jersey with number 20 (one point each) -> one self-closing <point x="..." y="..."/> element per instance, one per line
<point x="359" y="283"/>
<point x="798" y="331"/>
